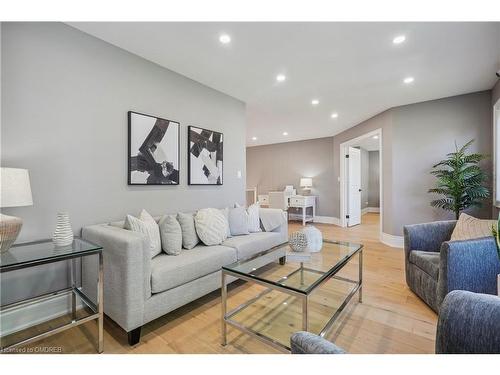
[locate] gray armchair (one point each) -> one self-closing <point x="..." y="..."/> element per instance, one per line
<point x="435" y="265"/>
<point x="469" y="323"/>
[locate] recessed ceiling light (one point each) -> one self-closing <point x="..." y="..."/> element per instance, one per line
<point x="280" y="77"/>
<point x="399" y="39"/>
<point x="408" y="80"/>
<point x="285" y="133"/>
<point x="315" y="102"/>
<point x="334" y="115"/>
<point x="375" y="137"/>
<point x="254" y="138"/>
<point x="224" y="39"/>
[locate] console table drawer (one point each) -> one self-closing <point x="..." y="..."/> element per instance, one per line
<point x="297" y="201"/>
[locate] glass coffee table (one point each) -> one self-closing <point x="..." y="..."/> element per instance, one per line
<point x="307" y="293"/>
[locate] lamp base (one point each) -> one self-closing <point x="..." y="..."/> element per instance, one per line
<point x="10" y="226"/>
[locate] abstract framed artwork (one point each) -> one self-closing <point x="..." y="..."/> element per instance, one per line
<point x="205" y="156"/>
<point x="153" y="150"/>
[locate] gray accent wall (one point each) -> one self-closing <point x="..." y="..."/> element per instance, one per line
<point x="272" y="167"/>
<point x="64" y="117"/>
<point x="414" y="137"/>
<point x="373" y="179"/>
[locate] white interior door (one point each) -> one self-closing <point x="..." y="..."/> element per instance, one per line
<point x="354" y="187"/>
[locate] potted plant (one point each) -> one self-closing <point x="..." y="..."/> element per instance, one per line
<point x="460" y="180"/>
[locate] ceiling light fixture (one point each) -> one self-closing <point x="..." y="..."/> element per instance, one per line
<point x="399" y="39"/>
<point x="280" y="77"/>
<point x="224" y="39"/>
<point x="254" y="138"/>
<point x="315" y="102"/>
<point x="375" y="137"/>
<point x="334" y="115"/>
<point x="408" y="80"/>
<point x="285" y="133"/>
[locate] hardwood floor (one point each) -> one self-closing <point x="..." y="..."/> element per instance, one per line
<point x="391" y="319"/>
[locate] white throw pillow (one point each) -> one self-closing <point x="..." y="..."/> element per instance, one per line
<point x="254" y="218"/>
<point x="211" y="226"/>
<point x="171" y="235"/>
<point x="225" y="212"/>
<point x="238" y="221"/>
<point x="469" y="228"/>
<point x="147" y="225"/>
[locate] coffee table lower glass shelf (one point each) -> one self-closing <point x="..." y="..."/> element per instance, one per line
<point x="308" y="295"/>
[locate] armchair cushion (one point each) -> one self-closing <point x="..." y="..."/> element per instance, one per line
<point x="426" y="261"/>
<point x="309" y="343"/>
<point x="468" y="323"/>
<point x="469" y="227"/>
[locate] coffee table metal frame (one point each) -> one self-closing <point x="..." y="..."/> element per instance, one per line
<point x="303" y="295"/>
<point x="73" y="290"/>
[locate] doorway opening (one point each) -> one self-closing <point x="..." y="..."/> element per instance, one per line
<point x="361" y="178"/>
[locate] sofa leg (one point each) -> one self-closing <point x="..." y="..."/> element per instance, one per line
<point x="134" y="336"/>
<point x="282" y="260"/>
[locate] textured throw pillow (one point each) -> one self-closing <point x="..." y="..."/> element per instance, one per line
<point x="254" y="218"/>
<point x="211" y="226"/>
<point x="468" y="228"/>
<point x="225" y="212"/>
<point x="171" y="235"/>
<point x="147" y="225"/>
<point x="238" y="221"/>
<point x="189" y="237"/>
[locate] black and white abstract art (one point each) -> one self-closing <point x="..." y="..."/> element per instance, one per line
<point x="153" y="150"/>
<point x="205" y="157"/>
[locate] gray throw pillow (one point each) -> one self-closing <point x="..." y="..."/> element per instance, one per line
<point x="171" y="235"/>
<point x="238" y="221"/>
<point x="225" y="212"/>
<point x="189" y="237"/>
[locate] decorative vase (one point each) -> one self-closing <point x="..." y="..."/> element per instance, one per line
<point x="10" y="226"/>
<point x="314" y="238"/>
<point x="63" y="234"/>
<point x="298" y="241"/>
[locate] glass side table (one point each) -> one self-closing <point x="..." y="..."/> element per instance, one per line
<point x="38" y="253"/>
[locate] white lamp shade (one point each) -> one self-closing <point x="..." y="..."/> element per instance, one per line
<point x="15" y="188"/>
<point x="306" y="182"/>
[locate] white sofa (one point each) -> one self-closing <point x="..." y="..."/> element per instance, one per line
<point x="138" y="289"/>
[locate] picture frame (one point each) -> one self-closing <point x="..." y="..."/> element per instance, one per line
<point x="205" y="156"/>
<point x="153" y="150"/>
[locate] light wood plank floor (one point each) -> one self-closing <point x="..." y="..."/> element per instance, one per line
<point x="391" y="319"/>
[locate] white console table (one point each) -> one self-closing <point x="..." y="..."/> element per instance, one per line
<point x="303" y="202"/>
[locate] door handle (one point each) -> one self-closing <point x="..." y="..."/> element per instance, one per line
<point x="360" y="189"/>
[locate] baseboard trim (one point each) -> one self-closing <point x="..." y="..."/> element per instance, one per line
<point x="391" y="240"/>
<point x="327" y="220"/>
<point x="370" y="210"/>
<point x="20" y="318"/>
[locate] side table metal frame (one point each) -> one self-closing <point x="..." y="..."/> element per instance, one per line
<point x="74" y="290"/>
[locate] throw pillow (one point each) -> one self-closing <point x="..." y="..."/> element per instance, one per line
<point x="171" y="235"/>
<point x="469" y="227"/>
<point x="225" y="212"/>
<point x="189" y="237"/>
<point x="254" y="218"/>
<point x="211" y="226"/>
<point x="238" y="221"/>
<point x="146" y="225"/>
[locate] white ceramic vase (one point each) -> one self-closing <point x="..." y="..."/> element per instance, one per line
<point x="314" y="238"/>
<point x="63" y="234"/>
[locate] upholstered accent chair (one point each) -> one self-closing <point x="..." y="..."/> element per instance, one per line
<point x="469" y="323"/>
<point x="435" y="265"/>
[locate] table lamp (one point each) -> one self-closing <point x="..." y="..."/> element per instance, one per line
<point x="15" y="191"/>
<point x="306" y="184"/>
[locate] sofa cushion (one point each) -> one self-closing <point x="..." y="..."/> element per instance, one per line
<point x="427" y="261"/>
<point x="148" y="226"/>
<point x="238" y="221"/>
<point x="189" y="237"/>
<point x="253" y="243"/>
<point x="168" y="272"/>
<point x="171" y="235"/>
<point x="211" y="226"/>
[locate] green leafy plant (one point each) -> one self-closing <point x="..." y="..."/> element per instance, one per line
<point x="460" y="180"/>
<point x="495" y="230"/>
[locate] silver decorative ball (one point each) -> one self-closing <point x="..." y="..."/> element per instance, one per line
<point x="298" y="241"/>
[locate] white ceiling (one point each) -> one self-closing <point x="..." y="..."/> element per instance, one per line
<point x="354" y="69"/>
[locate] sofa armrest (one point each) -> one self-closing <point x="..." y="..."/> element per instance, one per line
<point x="471" y="265"/>
<point x="469" y="323"/>
<point x="127" y="273"/>
<point x="309" y="343"/>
